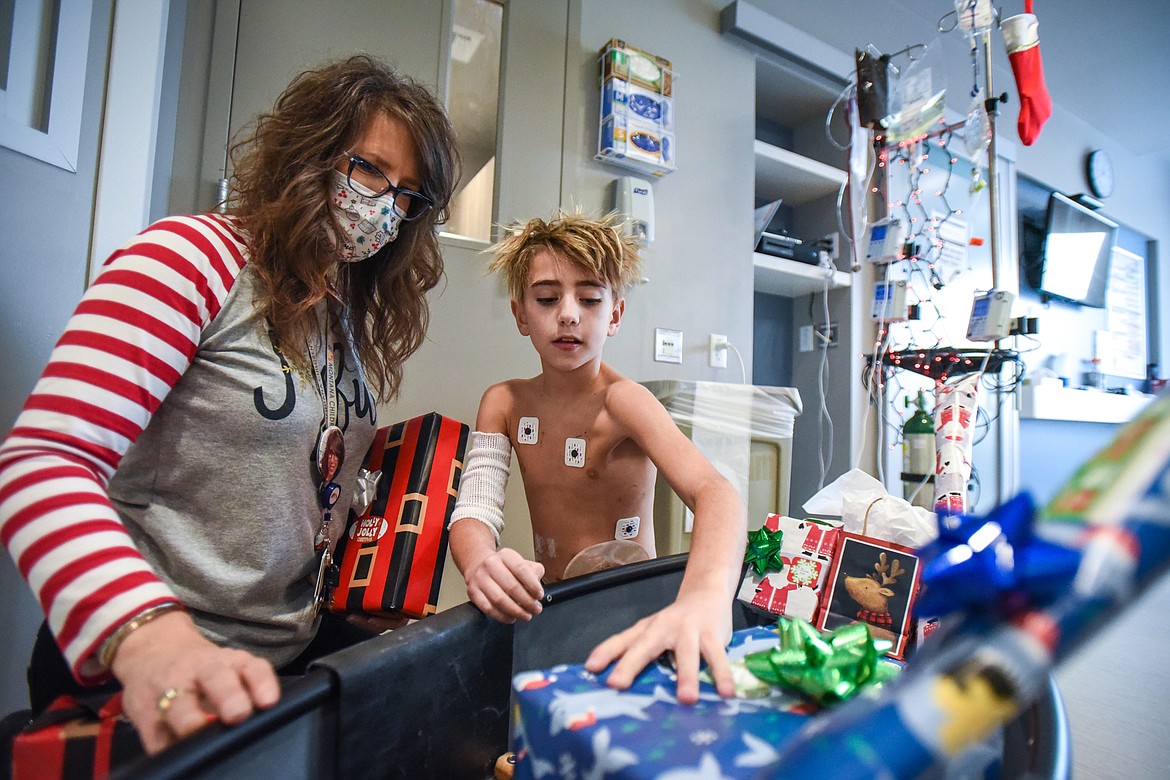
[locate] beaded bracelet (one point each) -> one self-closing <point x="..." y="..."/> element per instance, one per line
<point x="114" y="640"/>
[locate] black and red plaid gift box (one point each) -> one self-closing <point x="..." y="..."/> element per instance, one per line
<point x="391" y="557"/>
<point x="76" y="740"/>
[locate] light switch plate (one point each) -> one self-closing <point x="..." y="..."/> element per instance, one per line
<point x="668" y="345"/>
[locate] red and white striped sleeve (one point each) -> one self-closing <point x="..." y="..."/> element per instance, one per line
<point x="132" y="336"/>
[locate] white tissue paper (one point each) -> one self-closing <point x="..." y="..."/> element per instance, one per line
<point x="891" y="518"/>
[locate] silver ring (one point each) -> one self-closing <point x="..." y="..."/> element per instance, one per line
<point x="166" y="700"/>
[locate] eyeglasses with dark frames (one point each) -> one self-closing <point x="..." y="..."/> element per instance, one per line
<point x="369" y="180"/>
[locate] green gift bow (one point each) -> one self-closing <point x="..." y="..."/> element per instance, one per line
<point x="827" y="667"/>
<point x="763" y="550"/>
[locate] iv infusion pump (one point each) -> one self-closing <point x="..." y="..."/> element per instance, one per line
<point x="991" y="316"/>
<point x="883" y="240"/>
<point x="889" y="301"/>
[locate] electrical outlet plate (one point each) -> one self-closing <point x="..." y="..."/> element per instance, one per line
<point x="831" y="246"/>
<point x="826" y="337"/>
<point x="717" y="351"/>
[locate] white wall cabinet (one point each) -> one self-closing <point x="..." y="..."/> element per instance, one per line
<point x="796" y="180"/>
<point x="795" y="163"/>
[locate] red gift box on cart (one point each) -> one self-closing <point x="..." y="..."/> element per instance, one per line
<point x="391" y="557"/>
<point x="76" y="740"/>
<point x="795" y="588"/>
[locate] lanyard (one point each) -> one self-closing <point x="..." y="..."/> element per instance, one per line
<point x="329" y="392"/>
<point x="327" y="571"/>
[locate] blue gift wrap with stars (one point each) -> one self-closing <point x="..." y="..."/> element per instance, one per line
<point x="567" y="723"/>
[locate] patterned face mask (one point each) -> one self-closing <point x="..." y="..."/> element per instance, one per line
<point x="369" y="222"/>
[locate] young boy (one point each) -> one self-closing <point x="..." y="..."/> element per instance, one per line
<point x="589" y="443"/>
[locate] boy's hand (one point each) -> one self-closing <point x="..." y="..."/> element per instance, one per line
<point x="697" y="624"/>
<point x="506" y="586"/>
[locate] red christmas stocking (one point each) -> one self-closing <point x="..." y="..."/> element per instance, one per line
<point x="1023" y="46"/>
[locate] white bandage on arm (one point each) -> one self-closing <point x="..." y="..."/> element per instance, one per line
<point x="485" y="475"/>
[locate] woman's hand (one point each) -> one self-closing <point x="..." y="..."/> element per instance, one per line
<point x="175" y="681"/>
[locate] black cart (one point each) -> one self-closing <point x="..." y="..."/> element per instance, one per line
<point x="431" y="700"/>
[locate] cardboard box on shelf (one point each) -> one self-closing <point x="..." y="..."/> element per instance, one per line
<point x="637" y="140"/>
<point x="637" y="65"/>
<point x="621" y="98"/>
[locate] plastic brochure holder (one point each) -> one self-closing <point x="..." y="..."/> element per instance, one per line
<point x="636" y="126"/>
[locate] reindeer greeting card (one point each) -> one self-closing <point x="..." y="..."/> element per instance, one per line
<point x="873" y="582"/>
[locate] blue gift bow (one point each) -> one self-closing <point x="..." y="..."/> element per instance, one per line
<point x="994" y="564"/>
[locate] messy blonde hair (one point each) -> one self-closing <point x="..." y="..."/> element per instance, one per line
<point x="282" y="172"/>
<point x="597" y="245"/>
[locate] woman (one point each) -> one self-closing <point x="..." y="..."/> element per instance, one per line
<point x="168" y="488"/>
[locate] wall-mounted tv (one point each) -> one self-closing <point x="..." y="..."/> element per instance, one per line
<point x="1073" y="264"/>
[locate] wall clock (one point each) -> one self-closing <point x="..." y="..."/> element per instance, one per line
<point x="1099" y="170"/>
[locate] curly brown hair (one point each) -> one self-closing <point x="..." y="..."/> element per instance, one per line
<point x="601" y="246"/>
<point x="280" y="180"/>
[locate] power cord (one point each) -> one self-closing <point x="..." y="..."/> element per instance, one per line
<point x="742" y="367"/>
<point x="727" y="345"/>
<point x="826" y="419"/>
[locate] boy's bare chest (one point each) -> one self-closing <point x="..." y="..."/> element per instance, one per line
<point x="570" y="444"/>
<point x="564" y="445"/>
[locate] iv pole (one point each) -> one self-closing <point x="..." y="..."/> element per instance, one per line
<point x="1004" y="428"/>
<point x="1006" y="453"/>
<point x="992" y="105"/>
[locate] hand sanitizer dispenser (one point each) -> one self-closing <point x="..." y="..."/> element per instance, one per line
<point x="634" y="200"/>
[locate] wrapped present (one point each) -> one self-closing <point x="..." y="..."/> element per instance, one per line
<point x="77" y="739"/>
<point x="827" y="668"/>
<point x="392" y="555"/>
<point x="792" y="591"/>
<point x="789" y="560"/>
<point x="817" y="538"/>
<point x="874" y="582"/>
<point x="567" y="723"/>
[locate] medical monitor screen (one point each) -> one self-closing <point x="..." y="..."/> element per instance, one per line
<point x="1078" y="245"/>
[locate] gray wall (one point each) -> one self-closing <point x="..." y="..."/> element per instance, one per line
<point x="699" y="266"/>
<point x="45" y="215"/>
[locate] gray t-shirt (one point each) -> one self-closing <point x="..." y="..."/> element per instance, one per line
<point x="220" y="490"/>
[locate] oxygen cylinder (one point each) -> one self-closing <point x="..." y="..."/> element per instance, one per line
<point x="918" y="449"/>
